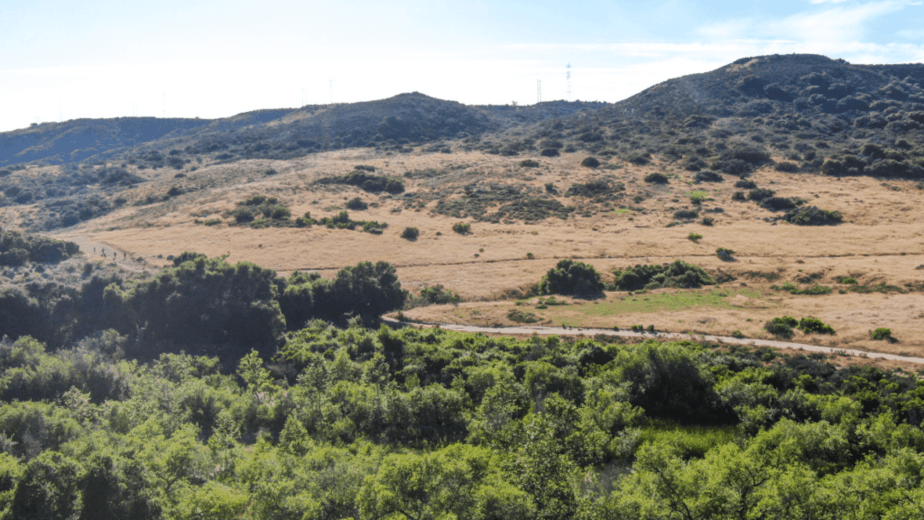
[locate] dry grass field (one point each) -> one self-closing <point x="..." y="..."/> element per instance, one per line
<point x="880" y="242"/>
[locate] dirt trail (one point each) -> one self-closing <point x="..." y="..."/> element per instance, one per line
<point x="671" y="335"/>
<point x="106" y="252"/>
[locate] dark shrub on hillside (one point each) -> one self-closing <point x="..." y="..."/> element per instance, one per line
<point x="686" y="214"/>
<point x="708" y="176"/>
<point x="749" y="154"/>
<point x="549" y="152"/>
<point x="812" y="216"/>
<point x="812" y="325"/>
<point x="410" y="233"/>
<point x="746" y="184"/>
<point x="778" y="203"/>
<point x="590" y="162"/>
<point x="656" y="178"/>
<point x="356" y="204"/>
<point x="739" y="196"/>
<point x="18" y="248"/>
<point x="759" y="194"/>
<point x="734" y="167"/>
<point x="367" y="182"/>
<point x="571" y="277"/>
<point x="786" y="166"/>
<point x="529" y="163"/>
<point x="594" y="188"/>
<point x="694" y="163"/>
<point x="654" y="276"/>
<point x="639" y="159"/>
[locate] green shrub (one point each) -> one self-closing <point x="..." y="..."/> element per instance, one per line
<point x="739" y="196"/>
<point x="781" y="326"/>
<point x="529" y="163"/>
<point x="212" y="222"/>
<point x="707" y="221"/>
<point x="812" y="216"/>
<point x="759" y="194"/>
<point x="549" y="152"/>
<point x="814" y="290"/>
<point x="737" y="334"/>
<point x="518" y="316"/>
<point x="725" y="254"/>
<point x="697" y="197"/>
<point x="590" y="162"/>
<point x="656" y="178"/>
<point x="654" y="276"/>
<point x="357" y="204"/>
<point x="745" y="184"/>
<point x="694" y="237"/>
<point x="571" y="277"/>
<point x="848" y="280"/>
<point x="812" y="325"/>
<point x="882" y="334"/>
<point x="686" y="214"/>
<point x="410" y="233"/>
<point x="462" y="228"/>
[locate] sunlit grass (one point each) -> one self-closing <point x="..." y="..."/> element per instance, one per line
<point x="694" y="441"/>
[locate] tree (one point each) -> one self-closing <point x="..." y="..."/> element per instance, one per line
<point x="571" y="277"/>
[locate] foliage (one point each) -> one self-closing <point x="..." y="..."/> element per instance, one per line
<point x="571" y="277"/>
<point x="655" y="276"/>
<point x="812" y="216"/>
<point x="882" y="334"/>
<point x="590" y="162"/>
<point x="357" y="204"/>
<point x="725" y="254"/>
<point x="791" y="288"/>
<point x="812" y="325"/>
<point x="656" y="178"/>
<point x="694" y="237"/>
<point x="410" y="233"/>
<point x="462" y="228"/>
<point x="367" y="182"/>
<point x="529" y="163"/>
<point x="18" y="248"/>
<point x="781" y="326"/>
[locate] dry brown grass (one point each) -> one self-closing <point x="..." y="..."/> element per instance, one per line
<point x="881" y="240"/>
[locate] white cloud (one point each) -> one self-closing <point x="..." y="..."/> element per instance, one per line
<point x="827" y="1"/>
<point x="836" y="24"/>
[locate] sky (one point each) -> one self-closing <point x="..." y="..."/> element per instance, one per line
<point x="69" y="59"/>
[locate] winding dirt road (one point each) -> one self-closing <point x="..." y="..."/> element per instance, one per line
<point x="669" y="335"/>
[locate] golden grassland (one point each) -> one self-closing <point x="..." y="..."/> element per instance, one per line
<point x="881" y="240"/>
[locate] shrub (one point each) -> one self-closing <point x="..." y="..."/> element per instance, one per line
<point x="882" y="334"/>
<point x="725" y="254"/>
<point x="410" y="233"/>
<point x="745" y="184"/>
<point x="785" y="166"/>
<point x="694" y="237"/>
<point x="812" y="325"/>
<point x="739" y="196"/>
<point x="462" y="228"/>
<point x="697" y="197"/>
<point x="707" y="221"/>
<point x="590" y="162"/>
<point x="356" y="204"/>
<point x="656" y="178"/>
<point x="549" y="152"/>
<point x="759" y="194"/>
<point x="518" y="316"/>
<point x="571" y="277"/>
<point x="782" y="326"/>
<point x="437" y="295"/>
<point x="812" y="216"/>
<point x="686" y="214"/>
<point x="708" y="176"/>
<point x="212" y="222"/>
<point x="529" y="163"/>
<point x="655" y="276"/>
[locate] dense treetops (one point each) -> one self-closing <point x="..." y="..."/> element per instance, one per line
<point x="571" y="277"/>
<point x="19" y="248"/>
<point x="366" y="423"/>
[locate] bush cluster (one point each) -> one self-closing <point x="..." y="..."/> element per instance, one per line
<point x="571" y="277"/>
<point x="655" y="276"/>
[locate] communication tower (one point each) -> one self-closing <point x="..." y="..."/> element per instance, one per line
<point x="568" y="80"/>
<point x="538" y="91"/>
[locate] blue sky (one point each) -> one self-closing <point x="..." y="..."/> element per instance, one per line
<point x="102" y="58"/>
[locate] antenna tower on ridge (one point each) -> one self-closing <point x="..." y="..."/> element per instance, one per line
<point x="568" y="79"/>
<point x="538" y="91"/>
